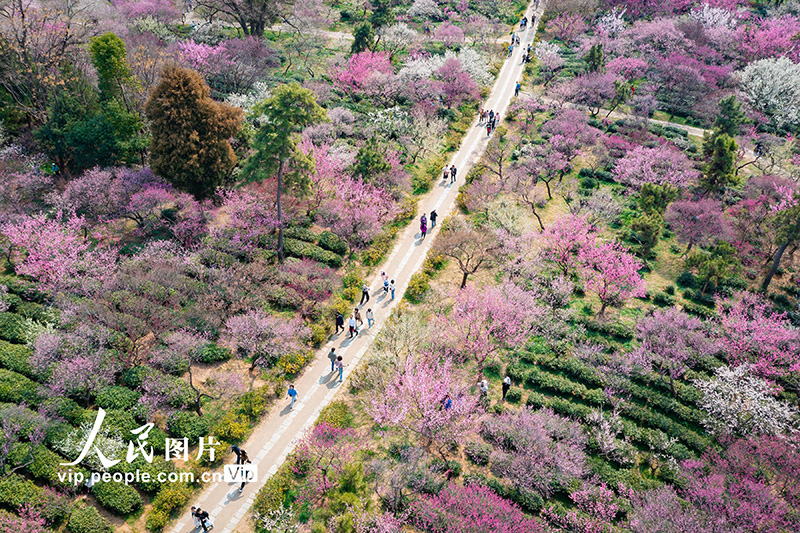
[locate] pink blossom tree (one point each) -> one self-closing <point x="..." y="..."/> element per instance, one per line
<point x="321" y="456"/>
<point x="358" y="211"/>
<point x="596" y="508"/>
<point x="457" y="85"/>
<point x="265" y="338"/>
<point x="750" y="331"/>
<point x="671" y="342"/>
<point x="415" y="399"/>
<point x="594" y="90"/>
<point x="29" y="520"/>
<point x="660" y="166"/>
<point x="56" y="253"/>
<point x="748" y="487"/>
<point x="468" y="509"/>
<point x="696" y="222"/>
<point x="613" y="274"/>
<point x="354" y="77"/>
<point x="661" y="510"/>
<point x="562" y="245"/>
<point x="537" y="450"/>
<point x="449" y="34"/>
<point x="164" y="11"/>
<point x="485" y="321"/>
<point x="566" y="26"/>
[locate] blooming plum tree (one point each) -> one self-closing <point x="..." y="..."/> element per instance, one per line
<point x="265" y="338"/>
<point x="414" y="399"/>
<point x="612" y="273"/>
<point x="660" y="166"/>
<point x="696" y="222"/>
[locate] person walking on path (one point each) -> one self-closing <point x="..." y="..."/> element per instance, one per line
<point x="453" y="172"/>
<point x="370" y="318"/>
<point x="339" y="323"/>
<point x="235" y="449"/>
<point x="506" y="386"/>
<point x="195" y="520"/>
<point x="517" y="87"/>
<point x="483" y="386"/>
<point x="364" y="294"/>
<point x="434" y="216"/>
<point x="202" y="517"/>
<point x="391" y="288"/>
<point x="352" y="325"/>
<point x="245" y="461"/>
<point x="357" y="316"/>
<point x="445" y="173"/>
<point x="385" y="280"/>
<point x="510" y="49"/>
<point x="423" y="226"/>
<point x="293" y="395"/>
<point x="340" y="367"/>
<point x="332" y="357"/>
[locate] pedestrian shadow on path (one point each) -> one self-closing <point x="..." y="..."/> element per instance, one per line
<point x="326" y="378"/>
<point x="285" y="411"/>
<point x="334" y="383"/>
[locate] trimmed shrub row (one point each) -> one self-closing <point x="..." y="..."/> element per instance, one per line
<point x="15" y="357"/>
<point x="306" y="250"/>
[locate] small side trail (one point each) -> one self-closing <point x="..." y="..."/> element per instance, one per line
<point x="279" y="432"/>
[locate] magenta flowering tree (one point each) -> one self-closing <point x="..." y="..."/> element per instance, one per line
<point x="525" y="110"/>
<point x="594" y="90"/>
<point x="662" y="510"/>
<point x="661" y="166"/>
<point x="358" y="211"/>
<point x="537" y="450"/>
<point x="232" y="66"/>
<point x="457" y="85"/>
<point x="750" y="331"/>
<point x="698" y="222"/>
<point x="595" y="509"/>
<point x="29" y="520"/>
<point x="613" y="274"/>
<point x="569" y="131"/>
<point x="671" y="342"/>
<point x="628" y="68"/>
<point x="469" y="509"/>
<point x="562" y="244"/>
<point x="354" y="77"/>
<point x="265" y="338"/>
<point x="449" y="34"/>
<point x="486" y="320"/>
<point x="566" y="26"/>
<point x="751" y="486"/>
<point x="164" y="11"/>
<point x="58" y="255"/>
<point x="321" y="456"/>
<point x="414" y="399"/>
<point x="251" y="218"/>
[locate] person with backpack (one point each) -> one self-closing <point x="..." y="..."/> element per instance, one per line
<point x="434" y="216"/>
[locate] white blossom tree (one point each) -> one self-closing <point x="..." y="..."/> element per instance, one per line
<point x="736" y="401"/>
<point x="773" y="87"/>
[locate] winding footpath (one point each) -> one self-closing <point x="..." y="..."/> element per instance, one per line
<point x="279" y="432"/>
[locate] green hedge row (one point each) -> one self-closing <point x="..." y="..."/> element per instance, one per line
<point x="117" y="497"/>
<point x="566" y="386"/>
<point x="13" y="328"/>
<point x="16" y="491"/>
<point x="580" y="371"/>
<point x="16" y="388"/>
<point x="16" y="357"/>
<point x="169" y="499"/>
<point x="86" y="519"/>
<point x="301" y="250"/>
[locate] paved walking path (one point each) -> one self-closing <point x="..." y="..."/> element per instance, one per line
<point x="277" y="435"/>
